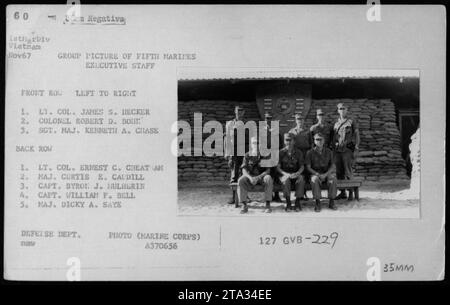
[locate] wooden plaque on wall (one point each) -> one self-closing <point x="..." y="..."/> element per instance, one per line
<point x="283" y="99"/>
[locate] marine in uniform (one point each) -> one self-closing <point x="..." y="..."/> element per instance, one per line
<point x="290" y="167"/>
<point x="319" y="162"/>
<point x="322" y="127"/>
<point x="302" y="136"/>
<point x="346" y="146"/>
<point x="269" y="130"/>
<point x="254" y="174"/>
<point x="234" y="160"/>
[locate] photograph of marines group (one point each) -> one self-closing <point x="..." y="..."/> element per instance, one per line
<point x="319" y="156"/>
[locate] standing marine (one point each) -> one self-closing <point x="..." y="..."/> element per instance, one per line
<point x="346" y="146"/>
<point x="234" y="159"/>
<point x="322" y="127"/>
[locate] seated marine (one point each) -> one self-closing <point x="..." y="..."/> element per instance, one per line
<point x="320" y="163"/>
<point x="290" y="167"/>
<point x="253" y="173"/>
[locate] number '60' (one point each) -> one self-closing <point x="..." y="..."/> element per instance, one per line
<point x="24" y="15"/>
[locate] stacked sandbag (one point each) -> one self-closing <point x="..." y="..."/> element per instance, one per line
<point x="380" y="148"/>
<point x="202" y="168"/>
<point x="380" y="157"/>
<point x="210" y="169"/>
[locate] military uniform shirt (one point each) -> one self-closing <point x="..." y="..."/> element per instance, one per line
<point x="231" y="131"/>
<point x="291" y="163"/>
<point x="320" y="162"/>
<point x="303" y="138"/>
<point x="344" y="133"/>
<point x="253" y="164"/>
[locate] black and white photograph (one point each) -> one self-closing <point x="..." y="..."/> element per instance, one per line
<point x="348" y="141"/>
<point x="224" y="144"/>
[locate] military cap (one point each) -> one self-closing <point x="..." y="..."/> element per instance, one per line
<point x="341" y="105"/>
<point x="238" y="108"/>
<point x="288" y="135"/>
<point x="267" y="115"/>
<point x="318" y="135"/>
<point x="319" y="111"/>
<point x="298" y="116"/>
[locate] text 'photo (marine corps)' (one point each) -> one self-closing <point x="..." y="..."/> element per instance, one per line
<point x="298" y="143"/>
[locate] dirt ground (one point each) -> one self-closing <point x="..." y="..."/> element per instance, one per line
<point x="391" y="199"/>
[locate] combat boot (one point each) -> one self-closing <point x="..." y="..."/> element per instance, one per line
<point x="288" y="204"/>
<point x="268" y="208"/>
<point x="332" y="205"/>
<point x="317" y="208"/>
<point x="244" y="208"/>
<point x="298" y="205"/>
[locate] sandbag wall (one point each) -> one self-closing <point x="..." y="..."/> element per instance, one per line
<point x="209" y="170"/>
<point x="380" y="153"/>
